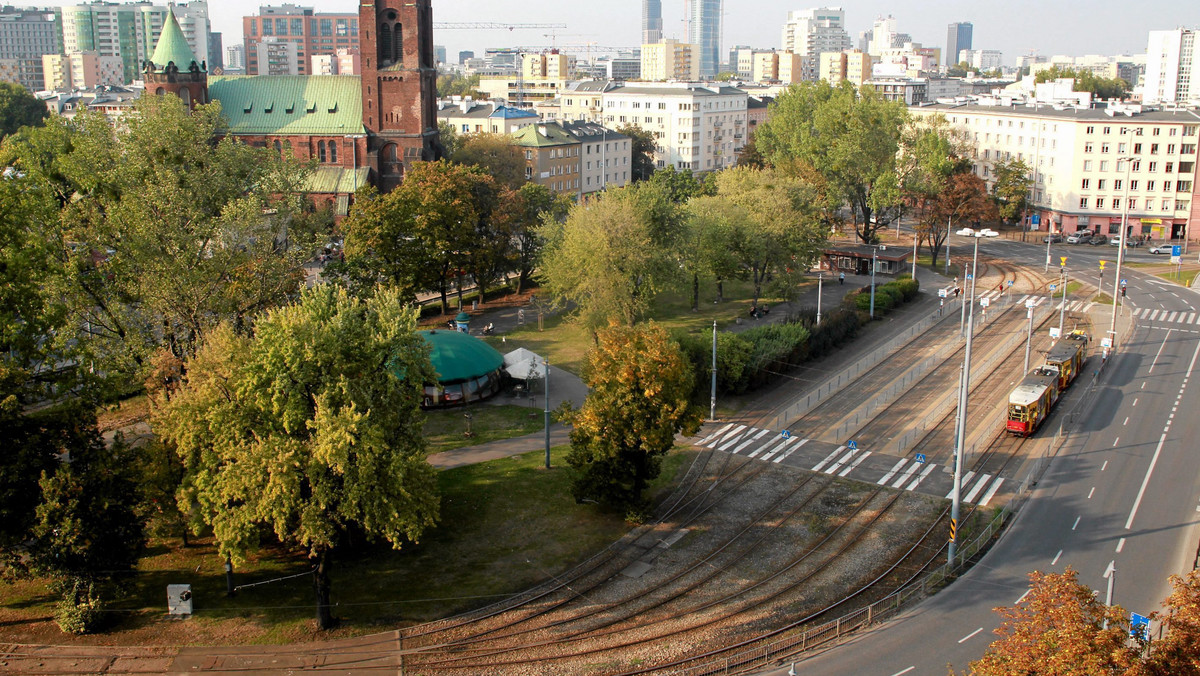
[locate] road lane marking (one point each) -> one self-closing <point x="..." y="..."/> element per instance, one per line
<point x="901" y="673"/>
<point x="1091" y="492"/>
<point x="887" y="477"/>
<point x="749" y="441"/>
<point x="838" y="465"/>
<point x="1056" y="557"/>
<point x="1146" y="481"/>
<point x="1105" y="465"/>
<point x="1076" y="522"/>
<point x="970" y="635"/>
<point x="1154" y="315"/>
<point x="789" y="451"/>
<point x="769" y="444"/>
<point x="854" y="464"/>
<point x="1135" y="401"/>
<point x="1120" y="545"/>
<point x="1022" y="596"/>
<point x="908" y="474"/>
<point x="1126" y="421"/>
<point x="991" y="492"/>
<point x="1160" y="349"/>
<point x="919" y="479"/>
<point x="821" y="465"/>
<point x="1172" y="317"/>
<point x="978" y="487"/>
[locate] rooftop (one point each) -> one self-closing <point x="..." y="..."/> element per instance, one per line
<point x="172" y="47"/>
<point x="1104" y="113"/>
<point x="290" y="104"/>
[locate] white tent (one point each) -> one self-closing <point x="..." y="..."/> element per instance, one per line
<point x="526" y="370"/>
<point x="519" y="355"/>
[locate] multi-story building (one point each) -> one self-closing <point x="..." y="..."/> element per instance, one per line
<point x="584" y="101"/>
<point x="624" y="66"/>
<point x="704" y="31"/>
<point x="25" y="35"/>
<point x="1078" y="157"/>
<point x="464" y="56"/>
<point x="741" y="61"/>
<point x="652" y="26"/>
<point x="813" y="32"/>
<point x="908" y="90"/>
<point x="605" y="158"/>
<point x="344" y="62"/>
<point x="216" y="51"/>
<point x="82" y="70"/>
<point x="477" y="117"/>
<point x="551" y="65"/>
<point x="276" y="56"/>
<point x="130" y="30"/>
<point x="784" y="67"/>
<point x="671" y="60"/>
<point x="982" y="59"/>
<point x="235" y="57"/>
<point x="958" y="38"/>
<point x="851" y="65"/>
<point x="551" y="157"/>
<point x="1172" y="67"/>
<point x="696" y="127"/>
<point x="312" y="33"/>
<point x="883" y="36"/>
<point x="439" y="54"/>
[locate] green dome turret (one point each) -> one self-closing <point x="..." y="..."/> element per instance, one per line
<point x="173" y="48"/>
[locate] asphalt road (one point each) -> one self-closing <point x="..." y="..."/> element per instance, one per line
<point x="1125" y="491"/>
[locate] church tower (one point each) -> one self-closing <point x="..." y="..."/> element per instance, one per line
<point x="399" y="85"/>
<point x="173" y="69"/>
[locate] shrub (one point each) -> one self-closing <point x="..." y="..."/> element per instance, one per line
<point x="81" y="610"/>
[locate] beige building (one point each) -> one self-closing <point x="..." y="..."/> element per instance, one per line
<point x="81" y="70"/>
<point x="552" y="157"/>
<point x="784" y="67"/>
<point x="1081" y="180"/>
<point x="670" y="60"/>
<point x="547" y="66"/>
<point x="476" y="117"/>
<point x="343" y="62"/>
<point x="606" y="157"/>
<point x="851" y="65"/>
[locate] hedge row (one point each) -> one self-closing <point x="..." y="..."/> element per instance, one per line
<point x="887" y="297"/>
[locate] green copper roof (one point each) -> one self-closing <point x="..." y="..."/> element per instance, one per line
<point x="296" y="105"/>
<point x="532" y="136"/>
<point x="172" y="47"/>
<point x="336" y="180"/>
<point x="457" y="356"/>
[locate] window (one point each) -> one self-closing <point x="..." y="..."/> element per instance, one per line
<point x="1137" y="149"/>
<point x="1184" y="186"/>
<point x="321" y="151"/>
<point x="1150" y="186"/>
<point x="1087" y="165"/>
<point x="1091" y="130"/>
<point x="1133" y="185"/>
<point x="1100" y="185"/>
<point x="1116" y="203"/>
<point x="1187" y="148"/>
<point x="1099" y="202"/>
<point x="1087" y="184"/>
<point x="1083" y="201"/>
<point x="1103" y="165"/>
<point x="1157" y="131"/>
<point x="1105" y="147"/>
<point x="1117" y="183"/>
<point x="1189" y="130"/>
<point x="1132" y="203"/>
<point x="1154" y="147"/>
<point x="1153" y="166"/>
<point x="1107" y="130"/>
<point x="1166" y="205"/>
<point x="1171" y="147"/>
<point x="1170" y="167"/>
<point x="333" y="151"/>
<point x="1089" y="147"/>
<point x="1121" y="147"/>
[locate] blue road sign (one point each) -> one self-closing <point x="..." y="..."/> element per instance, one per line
<point x="921" y="458"/>
<point x="1035" y="219"/>
<point x="1176" y="250"/>
<point x="1053" y="287"/>
<point x="1124" y="282"/>
<point x="970" y="276"/>
<point x="786" y="434"/>
<point x="1139" y="626"/>
<point x="852" y="445"/>
<point x="1010" y="282"/>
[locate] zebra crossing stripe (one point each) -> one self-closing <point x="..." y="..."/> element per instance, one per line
<point x="714" y="435"/>
<point x="734" y="438"/>
<point x="887" y="477"/>
<point x="777" y="440"/>
<point x="977" y="487"/>
<point x="820" y="465"/>
<point x="789" y="451"/>
<point x="784" y="445"/>
<point x="991" y="492"/>
<point x="725" y="437"/>
<point x="1089" y="307"/>
<point x="749" y="441"/>
<point x="1172" y="317"/>
<point x="856" y="462"/>
<point x="1189" y="319"/>
<point x="916" y="482"/>
<point x="838" y="465"/>
<point x="908" y="474"/>
<point x="1154" y="315"/>
<point x="965" y="480"/>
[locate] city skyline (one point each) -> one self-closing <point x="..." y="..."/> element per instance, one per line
<point x="1006" y="28"/>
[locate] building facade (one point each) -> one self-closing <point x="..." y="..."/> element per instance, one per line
<point x="782" y="67"/>
<point x="1172" y="67"/>
<point x="652" y="26"/>
<point x="605" y="157"/>
<point x="311" y="32"/>
<point x="704" y="31"/>
<point x="131" y="30"/>
<point x="958" y="37"/>
<point x="696" y="127"/>
<point x="478" y="117"/>
<point x="813" y="32"/>
<point x="344" y="62"/>
<point x="671" y="60"/>
<point x="551" y="157"/>
<point x="25" y="36"/>
<point x="1081" y="179"/>
<point x="851" y="65"/>
<point x="82" y="70"/>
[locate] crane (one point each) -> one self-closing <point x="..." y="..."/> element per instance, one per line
<point x="491" y="25"/>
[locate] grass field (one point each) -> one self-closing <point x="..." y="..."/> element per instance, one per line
<point x="505" y="525"/>
<point x="446" y="429"/>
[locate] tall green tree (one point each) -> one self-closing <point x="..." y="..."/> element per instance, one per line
<point x="448" y="137"/>
<point x="640" y="386"/>
<point x="681" y="185"/>
<point x="963" y="199"/>
<point x="849" y="136"/>
<point x="19" y="108"/>
<point x="527" y="209"/>
<point x="1013" y="181"/>
<point x="713" y="225"/>
<point x="307" y="428"/>
<point x="643" y="146"/>
<point x="496" y="155"/>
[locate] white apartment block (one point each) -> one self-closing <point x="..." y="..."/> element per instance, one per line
<point x="131" y="30"/>
<point x="983" y="59"/>
<point x="278" y="56"/>
<point x="1091" y="166"/>
<point x="81" y="70"/>
<point x="697" y="127"/>
<point x="1172" y="67"/>
<point x="670" y="60"/>
<point x="813" y="32"/>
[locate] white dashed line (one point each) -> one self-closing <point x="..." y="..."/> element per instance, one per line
<point x="970" y="635"/>
<point x="1056" y="557"/>
<point x="1076" y="522"/>
<point x="1091" y="492"/>
<point x="1120" y="545"/>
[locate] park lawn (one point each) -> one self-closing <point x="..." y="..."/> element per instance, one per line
<point x="445" y="429"/>
<point x="1181" y="277"/>
<point x="505" y="525"/>
<point x="926" y="261"/>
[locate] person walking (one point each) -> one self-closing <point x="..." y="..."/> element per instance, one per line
<point x="842" y="278"/>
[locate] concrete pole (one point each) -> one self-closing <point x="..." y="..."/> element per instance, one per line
<point x="1028" y="338"/>
<point x="1062" y="310"/>
<point x="873" y="251"/>
<point x="712" y="405"/>
<point x="1120" y="256"/>
<point x="916" y="240"/>
<point x="820" y="287"/>
<point x="962" y="417"/>
<point x="546" y="365"/>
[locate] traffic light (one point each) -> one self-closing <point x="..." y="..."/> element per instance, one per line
<point x="1123" y="289"/>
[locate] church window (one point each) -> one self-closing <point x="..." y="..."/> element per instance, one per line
<point x="333" y="151"/>
<point x="385" y="45"/>
<point x="186" y="96"/>
<point x="278" y="147"/>
<point x="398" y="47"/>
<point x="321" y="151"/>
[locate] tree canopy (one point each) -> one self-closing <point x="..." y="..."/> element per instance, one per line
<point x="19" y="108"/>
<point x="643" y="146"/>
<point x="307" y="427"/>
<point x="496" y="155"/>
<point x="1013" y="182"/>
<point x="1087" y="81"/>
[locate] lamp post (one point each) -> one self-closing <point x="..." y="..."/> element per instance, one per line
<point x="1121" y="250"/>
<point x="1062" y="309"/>
<point x="874" y="250"/>
<point x="820" y="286"/>
<point x="964" y="388"/>
<point x="712" y="405"/>
<point x="546" y="380"/>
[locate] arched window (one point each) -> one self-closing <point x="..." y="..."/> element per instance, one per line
<point x="385" y="45"/>
<point x="398" y="42"/>
<point x="186" y="96"/>
<point x="321" y="150"/>
<point x="278" y="147"/>
<point x="390" y="160"/>
<point x="333" y="151"/>
<point x="160" y="91"/>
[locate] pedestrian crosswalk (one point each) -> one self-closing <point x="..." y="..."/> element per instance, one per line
<point x="995" y="297"/>
<point x="847" y="460"/>
<point x="1184" y="317"/>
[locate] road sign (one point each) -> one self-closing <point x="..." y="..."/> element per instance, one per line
<point x="1139" y="626"/>
<point x="1124" y="282"/>
<point x="1035" y="219"/>
<point x="1063" y="259"/>
<point x="1106" y="342"/>
<point x="1055" y="332"/>
<point x="1030" y="303"/>
<point x="1010" y="282"/>
<point x="1102" y="265"/>
<point x="985" y="301"/>
<point x="970" y="276"/>
<point x="920" y="458"/>
<point x="786" y="434"/>
<point x="1053" y="287"/>
<point x="1176" y="250"/>
<point x="852" y="445"/>
<point x="942" y="293"/>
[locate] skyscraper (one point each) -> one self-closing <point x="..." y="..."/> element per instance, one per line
<point x="651" y="21"/>
<point x="704" y="31"/>
<point x="958" y="38"/>
<point x="813" y="32"/>
<point x="25" y="35"/>
<point x="1172" y="67"/>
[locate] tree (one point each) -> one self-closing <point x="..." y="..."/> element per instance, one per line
<point x="1011" y="189"/>
<point x="496" y="155"/>
<point x="1087" y="81"/>
<point x="448" y="137"/>
<point x="453" y="84"/>
<point x="849" y="136"/>
<point x="712" y="226"/>
<point x="526" y="210"/>
<point x="1058" y="631"/>
<point x="639" y="400"/>
<point x="749" y="156"/>
<point x="643" y="146"/>
<point x="681" y="185"/>
<point x="308" y="428"/>
<point x="610" y="257"/>
<point x="1177" y="653"/>
<point x="19" y="108"/>
<point x="963" y="199"/>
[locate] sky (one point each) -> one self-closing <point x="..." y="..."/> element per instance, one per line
<point x="1015" y="27"/>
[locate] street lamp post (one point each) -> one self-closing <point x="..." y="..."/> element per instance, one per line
<point x="546" y="377"/>
<point x="712" y="404"/>
<point x="1121" y="251"/>
<point x="820" y="287"/>
<point x="874" y="250"/>
<point x="964" y="388"/>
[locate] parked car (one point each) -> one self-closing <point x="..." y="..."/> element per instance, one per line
<point x="966" y="232"/>
<point x="1160" y="249"/>
<point x="1052" y="239"/>
<point x="1078" y="237"/>
<point x="1136" y="241"/>
<point x="1097" y="240"/>
<point x="1115" y="240"/>
<point x="988" y="232"/>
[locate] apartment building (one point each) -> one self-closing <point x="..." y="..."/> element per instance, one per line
<point x="343" y="62"/>
<point x="1092" y="165"/>
<point x="697" y="127"/>
<point x="479" y="117"/>
<point x="814" y="32"/>
<point x="26" y="34"/>
<point x="552" y="157"/>
<point x="131" y="30"/>
<point x="852" y="65"/>
<point x="82" y="70"/>
<point x="605" y="159"/>
<point x="782" y="67"/>
<point x="311" y="32"/>
<point x="276" y="56"/>
<point x="1172" y="67"/>
<point x="670" y="60"/>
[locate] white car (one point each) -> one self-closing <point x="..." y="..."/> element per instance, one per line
<point x="1160" y="249"/>
<point x="966" y="232"/>
<point x="987" y="232"/>
<point x="1078" y="237"/>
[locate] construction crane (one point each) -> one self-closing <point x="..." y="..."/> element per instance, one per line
<point x="490" y="25"/>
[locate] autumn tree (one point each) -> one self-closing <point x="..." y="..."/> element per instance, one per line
<point x="643" y="146"/>
<point x="1058" y="630"/>
<point x="640" y="385"/>
<point x="1177" y="653"/>
<point x="19" y="108"/>
<point x="496" y="155"/>
<point x="1013" y="181"/>
<point x="850" y="136"/>
<point x="307" y="428"/>
<point x="963" y="199"/>
<point x="526" y="210"/>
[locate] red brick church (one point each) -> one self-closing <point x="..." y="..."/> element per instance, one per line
<point x="359" y="129"/>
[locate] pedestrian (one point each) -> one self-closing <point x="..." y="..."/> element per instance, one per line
<point x="842" y="278"/>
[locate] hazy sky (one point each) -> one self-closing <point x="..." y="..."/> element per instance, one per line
<point x="1013" y="26"/>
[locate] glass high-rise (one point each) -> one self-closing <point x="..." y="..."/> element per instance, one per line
<point x="652" y="26"/>
<point x="704" y="31"/>
<point x="958" y="38"/>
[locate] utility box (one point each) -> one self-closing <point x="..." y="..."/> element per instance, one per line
<point x="179" y="599"/>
